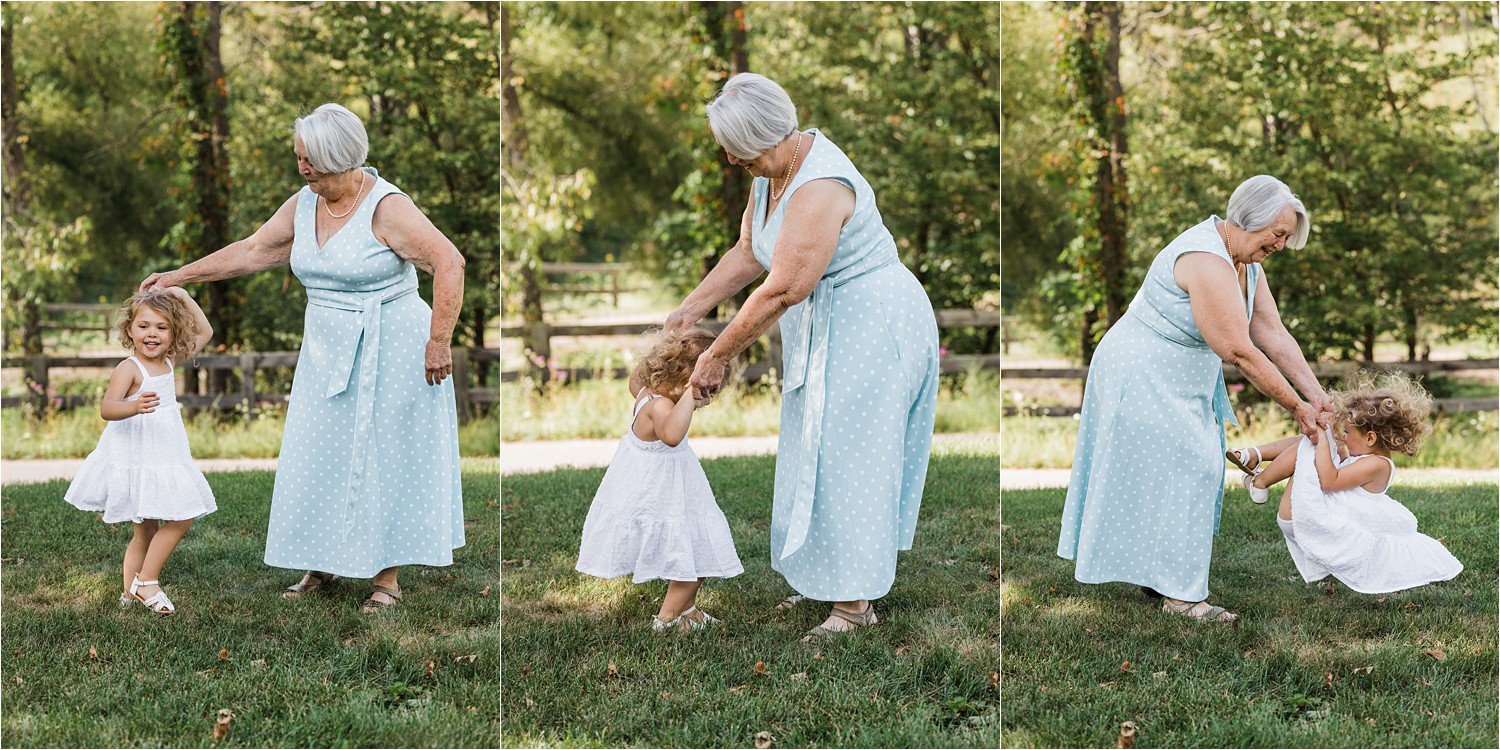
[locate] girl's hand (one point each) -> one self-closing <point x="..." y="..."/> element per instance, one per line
<point x="708" y="375"/>
<point x="1307" y="420"/>
<point x="438" y="361"/>
<point x="147" y="402"/>
<point x="163" y="280"/>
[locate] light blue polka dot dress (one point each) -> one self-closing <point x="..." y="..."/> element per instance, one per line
<point x="1148" y="472"/>
<point x="368" y="475"/>
<point x="859" y="395"/>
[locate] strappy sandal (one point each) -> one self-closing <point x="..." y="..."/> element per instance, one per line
<point x="1240" y="457"/>
<point x="311" y="582"/>
<point x="372" y="605"/>
<point x="1201" y="611"/>
<point x="863" y="619"/>
<point x="682" y="620"/>
<point x="158" y="602"/>
<point x="790" y="602"/>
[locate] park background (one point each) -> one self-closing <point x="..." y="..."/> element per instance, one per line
<point x="615" y="203"/>
<point x="1123" y="126"/>
<point x="138" y="136"/>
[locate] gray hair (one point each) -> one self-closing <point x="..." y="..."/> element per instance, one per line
<point x="1257" y="202"/>
<point x="335" y="139"/>
<point x="751" y="114"/>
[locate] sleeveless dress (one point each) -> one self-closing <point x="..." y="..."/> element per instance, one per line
<point x="368" y="473"/>
<point x="654" y="516"/>
<point x="1367" y="540"/>
<point x="858" y="399"/>
<point x="1147" y="483"/>
<point x="142" y="469"/>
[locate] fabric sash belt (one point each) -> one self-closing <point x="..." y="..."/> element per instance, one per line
<point x="806" y="365"/>
<point x="366" y="346"/>
<point x="1148" y="316"/>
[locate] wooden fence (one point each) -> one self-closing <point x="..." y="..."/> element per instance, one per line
<point x="538" y="338"/>
<point x="247" y="398"/>
<point x="1233" y="375"/>
<point x="612" y="275"/>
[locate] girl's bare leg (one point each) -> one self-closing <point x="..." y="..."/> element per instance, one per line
<point x="1280" y="468"/>
<point x="162" y="543"/>
<point x="135" y="552"/>
<point x="1285" y="511"/>
<point x="1270" y="451"/>
<point x="680" y="596"/>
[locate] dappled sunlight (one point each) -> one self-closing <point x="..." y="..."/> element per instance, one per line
<point x="79" y="590"/>
<point x="576" y="595"/>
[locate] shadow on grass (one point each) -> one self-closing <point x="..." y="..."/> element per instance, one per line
<point x="1310" y="666"/>
<point x="920" y="679"/>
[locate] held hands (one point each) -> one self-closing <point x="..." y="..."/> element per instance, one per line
<point x="1310" y="421"/>
<point x="708" y="377"/>
<point x="147" y="402"/>
<point x="162" y="280"/>
<point x="438" y="361"/>
<point x="678" y="320"/>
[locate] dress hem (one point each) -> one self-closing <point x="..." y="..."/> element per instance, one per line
<point x="360" y="572"/>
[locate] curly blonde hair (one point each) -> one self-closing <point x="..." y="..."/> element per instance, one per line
<point x="669" y="363"/>
<point x="1392" y="405"/>
<point x="168" y="305"/>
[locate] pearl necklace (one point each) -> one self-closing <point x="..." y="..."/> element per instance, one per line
<point x="787" y="177"/>
<point x="329" y="207"/>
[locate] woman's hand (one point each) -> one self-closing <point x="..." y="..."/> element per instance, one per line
<point x="163" y="280"/>
<point x="438" y="361"/>
<point x="1324" y="405"/>
<point x="680" y="319"/>
<point x="708" y="375"/>
<point x="1307" y="420"/>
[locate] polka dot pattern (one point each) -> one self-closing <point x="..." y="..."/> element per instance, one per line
<point x="1146" y="488"/>
<point x="871" y="380"/>
<point x="400" y="502"/>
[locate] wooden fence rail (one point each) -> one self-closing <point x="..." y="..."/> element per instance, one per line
<point x="538" y="338"/>
<point x="247" y="398"/>
<point x="1233" y="375"/>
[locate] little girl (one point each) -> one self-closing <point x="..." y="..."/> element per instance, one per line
<point x="1336" y="515"/>
<point x="142" y="471"/>
<point x="654" y="514"/>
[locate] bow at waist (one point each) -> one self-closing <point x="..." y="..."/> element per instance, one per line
<point x="366" y="335"/>
<point x="1149" y="317"/>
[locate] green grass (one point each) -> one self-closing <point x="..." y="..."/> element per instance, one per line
<point x="310" y="673"/>
<point x="919" y="679"/>
<point x="72" y="434"/>
<point x="1458" y="441"/>
<point x="968" y="402"/>
<point x="1196" y="685"/>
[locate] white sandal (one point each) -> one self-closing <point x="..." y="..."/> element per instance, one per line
<point x="1258" y="495"/>
<point x="1240" y="457"/>
<point x="1201" y="611"/>
<point x="158" y="603"/>
<point x="682" y="620"/>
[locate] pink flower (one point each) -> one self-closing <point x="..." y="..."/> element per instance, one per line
<point x="942" y="351"/>
<point x="1237" y="387"/>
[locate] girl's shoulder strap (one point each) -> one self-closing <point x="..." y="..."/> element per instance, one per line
<point x="139" y="366"/>
<point x="1389" y="480"/>
<point x="645" y="398"/>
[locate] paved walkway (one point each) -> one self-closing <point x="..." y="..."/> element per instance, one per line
<point x="1033" y="479"/>
<point x="43" y="470"/>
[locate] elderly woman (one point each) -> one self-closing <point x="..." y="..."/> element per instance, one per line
<point x="368" y="474"/>
<point x="859" y="383"/>
<point x="1148" y="475"/>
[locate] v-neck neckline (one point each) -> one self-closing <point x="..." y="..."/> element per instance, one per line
<point x="319" y="246"/>
<point x="766" y="210"/>
<point x="1245" y="292"/>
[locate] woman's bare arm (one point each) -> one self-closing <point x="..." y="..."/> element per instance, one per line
<point x="1270" y="334"/>
<point x="200" y="321"/>
<point x="410" y="234"/>
<point x="736" y="269"/>
<point x="269" y="247"/>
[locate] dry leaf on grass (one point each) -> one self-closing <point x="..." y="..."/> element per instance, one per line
<point x="17" y="679"/>
<point x="901" y="650"/>
<point x="612" y="670"/>
<point x="1363" y="670"/>
<point x="1126" y="666"/>
<point x="1435" y="653"/>
<point x="525" y="671"/>
<point x="222" y="721"/>
<point x="466" y="659"/>
<point x="258" y="663"/>
<point x="93" y="652"/>
<point x="1127" y="735"/>
<point x="994" y="573"/>
<point x="1412" y="605"/>
<point x="994" y="679"/>
<point x="223" y="654"/>
<point x="760" y="669"/>
<point x="431" y="667"/>
<point x="484" y="591"/>
<point x="738" y="688"/>
<point x="666" y="694"/>
<point x="764" y="740"/>
<point x="529" y="703"/>
<point x="1159" y="675"/>
<point x="799" y="676"/>
<point x="1328" y="680"/>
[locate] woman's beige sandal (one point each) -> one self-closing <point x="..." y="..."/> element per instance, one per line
<point x="373" y="605"/>
<point x="311" y="582"/>
<point x="158" y="602"/>
<point x="1240" y="457"/>
<point x="856" y="619"/>
<point x="685" y="620"/>
<point x="790" y="602"/>
<point x="1201" y="611"/>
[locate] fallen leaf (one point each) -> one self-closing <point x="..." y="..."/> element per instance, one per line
<point x="466" y="659"/>
<point x="1427" y="683"/>
<point x="901" y="650"/>
<point x="739" y="688"/>
<point x="763" y="740"/>
<point x="1363" y="670"/>
<point x="140" y="676"/>
<point x="1126" y="666"/>
<point x="484" y="591"/>
<point x="760" y="669"/>
<point x="612" y="671"/>
<point x="994" y="573"/>
<point x="431" y="667"/>
<point x="1042" y="688"/>
<point x="1370" y="721"/>
<point x="818" y="656"/>
<point x="1442" y="541"/>
<point x="1435" y="653"/>
<point x="666" y="694"/>
<point x="525" y="671"/>
<point x="529" y="704"/>
<point x="1159" y="675"/>
<point x="1412" y="605"/>
<point x="258" y="663"/>
<point x="799" y="676"/>
<point x="474" y="710"/>
<point x="223" y="654"/>
<point x="1127" y="735"/>
<point x="526" y="563"/>
<point x="18" y="679"/>
<point x="93" y="652"/>
<point x="1381" y="600"/>
<point x="222" y="722"/>
<point x="1328" y="680"/>
<point x="995" y="680"/>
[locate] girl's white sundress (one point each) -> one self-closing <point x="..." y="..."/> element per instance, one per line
<point x="142" y="469"/>
<point x="1365" y="539"/>
<point x="654" y="515"/>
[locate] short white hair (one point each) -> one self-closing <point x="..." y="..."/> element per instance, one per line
<point x="335" y="139"/>
<point x="1257" y="202"/>
<point x="751" y="114"/>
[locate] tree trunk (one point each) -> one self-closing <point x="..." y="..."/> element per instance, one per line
<point x="724" y="24"/>
<point x="1412" y="338"/>
<point x="1114" y="192"/>
<point x="1367" y="342"/>
<point x="1086" y="335"/>
<point x="17" y="182"/>
<point x="513" y="126"/>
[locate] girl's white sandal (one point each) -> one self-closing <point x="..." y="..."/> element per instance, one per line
<point x="682" y="620"/>
<point x="158" y="603"/>
<point x="1258" y="495"/>
<point x="1240" y="457"/>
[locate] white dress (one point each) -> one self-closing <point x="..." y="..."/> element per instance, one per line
<point x="1365" y="539"/>
<point x="654" y="516"/>
<point x="142" y="468"/>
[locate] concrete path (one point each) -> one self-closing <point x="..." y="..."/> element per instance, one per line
<point x="1032" y="479"/>
<point x="16" y="472"/>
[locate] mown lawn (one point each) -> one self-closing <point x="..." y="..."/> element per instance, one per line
<point x="80" y="671"/>
<point x="1309" y="667"/>
<point x="922" y="678"/>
